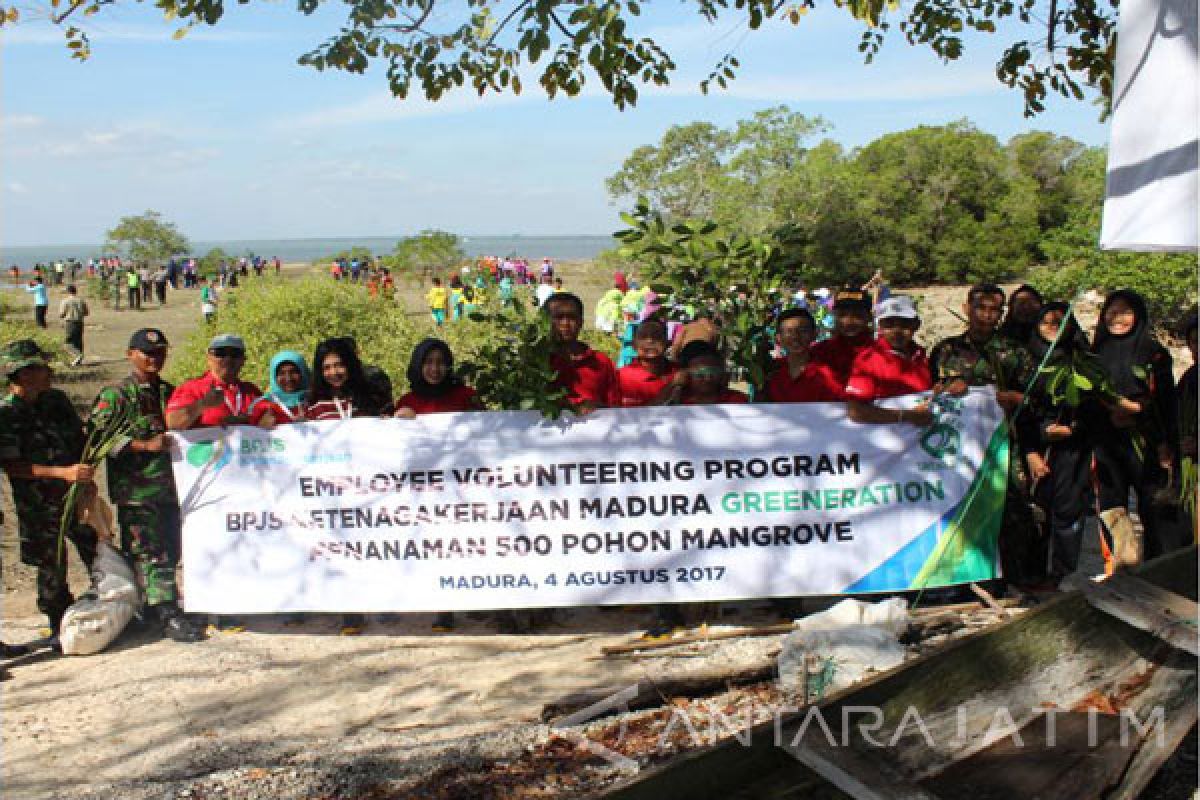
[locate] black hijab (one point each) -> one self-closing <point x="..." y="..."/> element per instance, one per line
<point x="416" y="380"/>
<point x="1120" y="354"/>
<point x="1070" y="340"/>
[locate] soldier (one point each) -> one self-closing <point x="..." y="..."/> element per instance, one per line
<point x="41" y="442"/>
<point x="141" y="485"/>
<point x="980" y="356"/>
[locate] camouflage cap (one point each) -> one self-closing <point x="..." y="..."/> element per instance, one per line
<point x="22" y="353"/>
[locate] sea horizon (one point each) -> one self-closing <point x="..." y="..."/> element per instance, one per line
<point x="564" y="247"/>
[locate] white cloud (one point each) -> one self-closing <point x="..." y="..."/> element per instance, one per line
<point x="383" y="107"/>
<point x="16" y="187"/>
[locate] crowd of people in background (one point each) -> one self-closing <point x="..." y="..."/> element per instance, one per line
<point x="1117" y="435"/>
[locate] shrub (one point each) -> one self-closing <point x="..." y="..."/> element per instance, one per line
<point x="295" y="316"/>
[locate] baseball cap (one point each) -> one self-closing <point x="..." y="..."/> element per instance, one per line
<point x="897" y="307"/>
<point x="15" y="356"/>
<point x="227" y="340"/>
<point x="851" y="298"/>
<point x="147" y="339"/>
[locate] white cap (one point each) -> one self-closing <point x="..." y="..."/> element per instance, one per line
<point x="897" y="306"/>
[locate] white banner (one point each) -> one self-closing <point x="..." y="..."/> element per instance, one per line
<point x="506" y="510"/>
<point x="1152" y="185"/>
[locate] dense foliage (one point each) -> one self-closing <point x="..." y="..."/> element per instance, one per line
<point x="935" y="204"/>
<point x="433" y="47"/>
<point x="273" y="316"/>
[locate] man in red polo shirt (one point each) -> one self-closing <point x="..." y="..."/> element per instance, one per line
<point x="797" y="377"/>
<point x="642" y="382"/>
<point x="851" y="333"/>
<point x="589" y="377"/>
<point x="891" y="366"/>
<point x="219" y="397"/>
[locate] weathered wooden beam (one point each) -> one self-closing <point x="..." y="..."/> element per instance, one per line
<point x="655" y="693"/>
<point x="1149" y="608"/>
<point x="851" y="771"/>
<point x="693" y="638"/>
<point x="986" y="597"/>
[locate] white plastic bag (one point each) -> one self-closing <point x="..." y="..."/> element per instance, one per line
<point x="842" y="644"/>
<point x="98" y="617"/>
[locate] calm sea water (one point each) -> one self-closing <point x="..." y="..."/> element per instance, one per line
<point x="531" y="247"/>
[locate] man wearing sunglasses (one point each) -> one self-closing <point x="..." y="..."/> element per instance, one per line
<point x="219" y="397"/>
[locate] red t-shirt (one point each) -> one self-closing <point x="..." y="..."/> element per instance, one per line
<point x="815" y="384"/>
<point x="727" y="396"/>
<point x="460" y="398"/>
<point x="879" y="371"/>
<point x="239" y="397"/>
<point x="838" y="353"/>
<point x="589" y="378"/>
<point x="638" y="386"/>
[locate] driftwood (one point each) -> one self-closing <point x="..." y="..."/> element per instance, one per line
<point x="921" y="614"/>
<point x="649" y="693"/>
<point x="1148" y="608"/>
<point x="987" y="598"/>
<point x="693" y="638"/>
<point x="1064" y="653"/>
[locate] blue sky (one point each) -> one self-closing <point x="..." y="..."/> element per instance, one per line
<point x="229" y="138"/>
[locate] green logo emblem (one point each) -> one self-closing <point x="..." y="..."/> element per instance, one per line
<point x="941" y="440"/>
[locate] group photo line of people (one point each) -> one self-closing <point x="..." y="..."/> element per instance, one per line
<point x="1098" y="425"/>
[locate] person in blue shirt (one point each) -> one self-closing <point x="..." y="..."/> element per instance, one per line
<point x="40" y="300"/>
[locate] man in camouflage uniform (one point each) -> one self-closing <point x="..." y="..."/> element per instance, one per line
<point x="980" y="356"/>
<point x="140" y="482"/>
<point x="41" y="442"/>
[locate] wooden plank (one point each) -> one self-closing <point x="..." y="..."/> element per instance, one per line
<point x="1175" y="693"/>
<point x="1077" y="757"/>
<point x="851" y="771"/>
<point x="693" y="638"/>
<point x="986" y="597"/>
<point x="655" y="693"/>
<point x="1149" y="608"/>
<point x="1080" y="647"/>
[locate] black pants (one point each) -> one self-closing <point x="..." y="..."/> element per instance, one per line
<point x="1119" y="468"/>
<point x="135" y="297"/>
<point x="75" y="336"/>
<point x="1063" y="495"/>
<point x="160" y="289"/>
<point x="39" y="315"/>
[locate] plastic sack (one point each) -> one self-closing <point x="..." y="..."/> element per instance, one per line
<point x="97" y="618"/>
<point x="839" y="646"/>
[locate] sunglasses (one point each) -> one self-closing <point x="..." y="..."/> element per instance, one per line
<point x="706" y="372"/>
<point x="227" y="352"/>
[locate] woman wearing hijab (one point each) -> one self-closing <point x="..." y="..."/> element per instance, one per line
<point x="1135" y="443"/>
<point x="1060" y="455"/>
<point x="434" y="388"/>
<point x="286" y="400"/>
<point x="1023" y="306"/>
